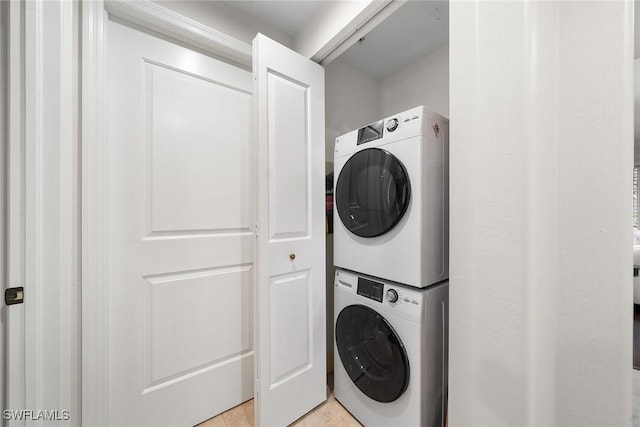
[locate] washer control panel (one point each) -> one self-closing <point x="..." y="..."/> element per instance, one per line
<point x="370" y="289"/>
<point x="391" y="295"/>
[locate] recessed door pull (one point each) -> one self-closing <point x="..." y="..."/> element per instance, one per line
<point x="14" y="295"/>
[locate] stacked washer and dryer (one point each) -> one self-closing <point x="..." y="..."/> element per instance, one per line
<point x="391" y="253"/>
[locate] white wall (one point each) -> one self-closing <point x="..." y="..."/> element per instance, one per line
<point x="352" y="100"/>
<point x="595" y="187"/>
<point x="541" y="156"/>
<point x="636" y="29"/>
<point x="226" y="19"/>
<point x="636" y="91"/>
<point x="425" y="82"/>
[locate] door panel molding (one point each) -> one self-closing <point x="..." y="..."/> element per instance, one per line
<point x="290" y="284"/>
<point x="154" y="17"/>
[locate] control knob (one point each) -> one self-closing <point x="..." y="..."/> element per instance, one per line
<point x="392" y="125"/>
<point x="392" y="295"/>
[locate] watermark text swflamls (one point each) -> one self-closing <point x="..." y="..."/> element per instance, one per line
<point x="36" y="415"/>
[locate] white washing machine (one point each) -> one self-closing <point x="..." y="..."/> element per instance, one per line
<point x="391" y="347"/>
<point x="391" y="198"/>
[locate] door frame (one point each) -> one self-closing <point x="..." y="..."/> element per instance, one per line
<point x="37" y="226"/>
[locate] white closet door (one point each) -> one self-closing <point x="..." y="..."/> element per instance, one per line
<point x="14" y="364"/>
<point x="290" y="270"/>
<point x="181" y="239"/>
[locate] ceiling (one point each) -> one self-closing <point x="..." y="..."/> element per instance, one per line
<point x="285" y="16"/>
<point x="412" y="32"/>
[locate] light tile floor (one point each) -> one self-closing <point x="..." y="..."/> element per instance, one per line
<point x="329" y="414"/>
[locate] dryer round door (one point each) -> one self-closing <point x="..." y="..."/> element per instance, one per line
<point x="372" y="193"/>
<point x="372" y="353"/>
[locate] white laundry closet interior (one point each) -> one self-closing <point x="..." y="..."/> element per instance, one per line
<point x="402" y="63"/>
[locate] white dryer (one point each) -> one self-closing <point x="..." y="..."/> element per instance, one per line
<point x="392" y="198"/>
<point x="391" y="347"/>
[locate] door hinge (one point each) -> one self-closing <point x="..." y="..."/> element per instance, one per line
<point x="14" y="295"/>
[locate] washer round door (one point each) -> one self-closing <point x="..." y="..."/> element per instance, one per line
<point x="372" y="353"/>
<point x="372" y="193"/>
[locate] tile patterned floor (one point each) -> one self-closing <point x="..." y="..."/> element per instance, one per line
<point x="330" y="413"/>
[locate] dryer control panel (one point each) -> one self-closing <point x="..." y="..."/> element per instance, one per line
<point x="407" y="124"/>
<point x="376" y="130"/>
<point x="370" y="132"/>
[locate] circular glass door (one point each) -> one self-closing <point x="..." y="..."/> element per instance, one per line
<point x="372" y="353"/>
<point x="372" y="193"/>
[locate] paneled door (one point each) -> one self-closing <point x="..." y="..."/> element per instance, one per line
<point x="290" y="267"/>
<point x="180" y="232"/>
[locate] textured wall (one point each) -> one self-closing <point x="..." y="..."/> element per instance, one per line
<point x="352" y="100"/>
<point x="425" y="82"/>
<point x="541" y="153"/>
